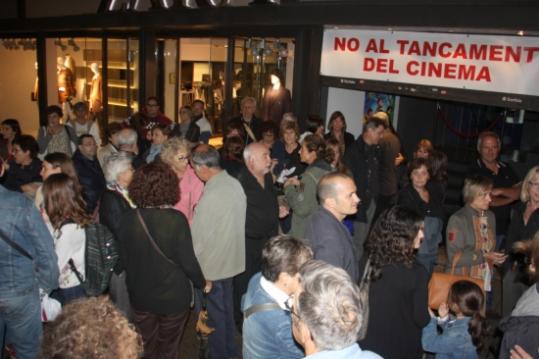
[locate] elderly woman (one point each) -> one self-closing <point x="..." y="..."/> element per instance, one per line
<point x="176" y="153"/>
<point x="54" y="136"/>
<point x="157" y="253"/>
<point x="268" y="333"/>
<point x="398" y="289"/>
<point x="337" y="130"/>
<point x="524" y="225"/>
<point x="326" y="313"/>
<point x="301" y="193"/>
<point x="471" y="232"/>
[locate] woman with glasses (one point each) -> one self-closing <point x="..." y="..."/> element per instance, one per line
<point x="524" y="224"/>
<point x="176" y="152"/>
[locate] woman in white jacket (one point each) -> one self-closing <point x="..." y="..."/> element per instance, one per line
<point x="67" y="215"/>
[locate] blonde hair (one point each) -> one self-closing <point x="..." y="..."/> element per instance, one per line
<point x="532" y="174"/>
<point x="172" y="146"/>
<point x="473" y="186"/>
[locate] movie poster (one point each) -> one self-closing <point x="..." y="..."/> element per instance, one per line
<point x="375" y="102"/>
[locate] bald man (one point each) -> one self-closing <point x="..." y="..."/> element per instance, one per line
<point x="330" y="239"/>
<point x="262" y="220"/>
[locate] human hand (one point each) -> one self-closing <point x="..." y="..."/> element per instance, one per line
<point x="399" y="159"/>
<point x="431" y="313"/>
<point x="208" y="286"/>
<point x="443" y="310"/>
<point x="498" y="258"/>
<point x="292" y="181"/>
<point x="518" y="353"/>
<point x="496" y="192"/>
<point x="283" y="211"/>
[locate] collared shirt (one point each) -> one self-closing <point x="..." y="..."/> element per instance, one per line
<point x="274" y="292"/>
<point x="351" y="352"/>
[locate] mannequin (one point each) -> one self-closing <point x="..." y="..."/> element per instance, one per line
<point x="96" y="91"/>
<point x="66" y="82"/>
<point x="69" y="63"/>
<point x="277" y="100"/>
<point x="35" y="90"/>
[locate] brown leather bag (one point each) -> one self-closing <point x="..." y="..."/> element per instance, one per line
<point x="440" y="283"/>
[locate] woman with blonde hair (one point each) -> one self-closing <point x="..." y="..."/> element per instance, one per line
<point x="524" y="224"/>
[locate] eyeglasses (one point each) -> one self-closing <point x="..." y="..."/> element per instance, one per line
<point x="183" y="158"/>
<point x="289" y="305"/>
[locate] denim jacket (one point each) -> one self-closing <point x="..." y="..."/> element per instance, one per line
<point x="454" y="343"/>
<point x="266" y="334"/>
<point x="22" y="223"/>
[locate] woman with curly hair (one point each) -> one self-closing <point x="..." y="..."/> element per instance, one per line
<point x="91" y="328"/>
<point x="300" y="192"/>
<point x="67" y="218"/>
<point x="157" y="252"/>
<point x="398" y="293"/>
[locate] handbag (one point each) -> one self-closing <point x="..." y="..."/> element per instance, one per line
<point x="364" y="288"/>
<point x="440" y="283"/>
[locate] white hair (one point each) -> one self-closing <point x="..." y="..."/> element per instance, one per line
<point x="127" y="136"/>
<point x="116" y="164"/>
<point x="329" y="305"/>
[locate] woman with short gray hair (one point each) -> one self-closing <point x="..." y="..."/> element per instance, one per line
<point x="326" y="314"/>
<point x="114" y="203"/>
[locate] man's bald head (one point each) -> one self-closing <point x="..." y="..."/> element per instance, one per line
<point x="329" y="185"/>
<point x="257" y="159"/>
<point x="337" y="194"/>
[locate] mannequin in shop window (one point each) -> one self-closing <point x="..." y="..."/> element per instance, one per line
<point x="66" y="82"/>
<point x="277" y="100"/>
<point x="96" y="90"/>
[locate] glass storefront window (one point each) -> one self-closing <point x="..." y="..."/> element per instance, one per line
<point x="202" y="75"/>
<point x="18" y="85"/>
<point x="254" y="60"/>
<point x="122" y="76"/>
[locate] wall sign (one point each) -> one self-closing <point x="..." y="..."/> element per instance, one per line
<point x="507" y="64"/>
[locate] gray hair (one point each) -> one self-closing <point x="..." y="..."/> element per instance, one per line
<point x="172" y="146"/>
<point x="116" y="164"/>
<point x="329" y="305"/>
<point x="208" y="157"/>
<point x="486" y="134"/>
<point x="127" y="136"/>
<point x="247" y="99"/>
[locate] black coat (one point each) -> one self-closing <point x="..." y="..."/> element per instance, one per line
<point x="398" y="312"/>
<point x="154" y="284"/>
<point x="410" y="198"/>
<point x="112" y="206"/>
<point x="91" y="179"/>
<point x="255" y="126"/>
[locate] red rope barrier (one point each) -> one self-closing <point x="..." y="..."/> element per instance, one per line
<point x="447" y="123"/>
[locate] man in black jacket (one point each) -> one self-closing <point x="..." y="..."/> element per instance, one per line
<point x="363" y="159"/>
<point x="262" y="220"/>
<point x="249" y="121"/>
<point x="89" y="171"/>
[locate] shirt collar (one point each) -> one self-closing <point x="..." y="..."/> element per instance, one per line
<point x="274" y="292"/>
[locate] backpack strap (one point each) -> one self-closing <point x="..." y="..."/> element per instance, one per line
<point x="75" y="270"/>
<point x="266" y="307"/>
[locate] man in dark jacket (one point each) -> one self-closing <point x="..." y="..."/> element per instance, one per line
<point x="89" y="171"/>
<point x="249" y="121"/>
<point x="363" y="159"/>
<point x="330" y="239"/>
<point x="262" y="220"/>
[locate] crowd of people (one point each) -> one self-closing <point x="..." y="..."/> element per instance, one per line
<point x="313" y="244"/>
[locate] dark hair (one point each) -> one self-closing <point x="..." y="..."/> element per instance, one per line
<point x="63" y="201"/>
<point x="469" y="298"/>
<point x="374" y="122"/>
<point x="331" y="144"/>
<point x="112" y="129"/>
<point x="233" y="149"/>
<point x="165" y="130"/>
<point x="27" y="143"/>
<point x="315" y="143"/>
<point x="391" y="239"/>
<point x="284" y="254"/>
<point x="314" y="122"/>
<point x="335" y="115"/>
<point x="54" y="109"/>
<point x="154" y="185"/>
<point x="198" y="101"/>
<point x="231" y="126"/>
<point x="81" y="105"/>
<point x="268" y="126"/>
<point x="83" y="136"/>
<point x="417" y="163"/>
<point x="13" y="124"/>
<point x="438" y="165"/>
<point x="425" y="144"/>
<point x="64" y="162"/>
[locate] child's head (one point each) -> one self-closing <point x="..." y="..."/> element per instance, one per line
<point x="467" y="298"/>
<point x="160" y="134"/>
